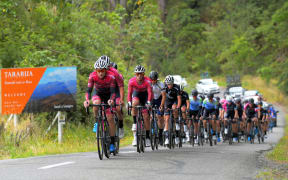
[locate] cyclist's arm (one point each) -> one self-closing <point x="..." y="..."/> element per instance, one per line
<point x="163" y="98"/>
<point x="150" y="92"/>
<point x="89" y="88"/>
<point x="129" y="94"/>
<point x="188" y="104"/>
<point x="178" y="101"/>
<point x="113" y="90"/>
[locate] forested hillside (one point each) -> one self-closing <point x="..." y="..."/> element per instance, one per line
<point x="184" y="36"/>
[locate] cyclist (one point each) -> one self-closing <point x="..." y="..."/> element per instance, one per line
<point x="209" y="105"/>
<point x="261" y="114"/>
<point x="194" y="113"/>
<point x="159" y="96"/>
<point x="104" y="91"/>
<point x="219" y="114"/>
<point x="119" y="90"/>
<point x="250" y="116"/>
<point x="172" y="101"/>
<point x="185" y="106"/>
<point x="230" y="114"/>
<point x="273" y="115"/>
<point x="239" y="115"/>
<point x="140" y="93"/>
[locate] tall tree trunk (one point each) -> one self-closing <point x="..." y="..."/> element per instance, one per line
<point x="162" y="6"/>
<point x="112" y="4"/>
<point x="123" y="3"/>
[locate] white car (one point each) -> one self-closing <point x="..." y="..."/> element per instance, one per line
<point x="207" y="86"/>
<point x="251" y="94"/>
<point x="236" y="92"/>
<point x="179" y="80"/>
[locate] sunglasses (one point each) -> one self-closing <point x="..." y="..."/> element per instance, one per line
<point x="139" y="74"/>
<point x="101" y="70"/>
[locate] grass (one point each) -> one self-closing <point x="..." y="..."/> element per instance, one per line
<point x="279" y="155"/>
<point x="280" y="152"/>
<point x="76" y="138"/>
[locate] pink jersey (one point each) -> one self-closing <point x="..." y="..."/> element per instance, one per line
<point x="145" y="86"/>
<point x="224" y="104"/>
<point x="103" y="86"/>
<point x="118" y="77"/>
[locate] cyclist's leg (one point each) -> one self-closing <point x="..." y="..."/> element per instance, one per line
<point x="135" y="102"/>
<point x="120" y="117"/>
<point x="96" y="100"/>
<point x="168" y="105"/>
<point x="205" y="119"/>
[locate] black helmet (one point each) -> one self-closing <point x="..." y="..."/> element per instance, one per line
<point x="202" y="96"/>
<point x="260" y="103"/>
<point x="114" y="65"/>
<point x="251" y="101"/>
<point x="218" y="98"/>
<point x="153" y="75"/>
<point x="194" y="92"/>
<point x="210" y="95"/>
<point x="238" y="100"/>
<point x="246" y="101"/>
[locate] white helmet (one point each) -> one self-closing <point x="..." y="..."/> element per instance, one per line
<point x="169" y="79"/>
<point x="100" y="64"/>
<point x="139" y="69"/>
<point x="106" y="59"/>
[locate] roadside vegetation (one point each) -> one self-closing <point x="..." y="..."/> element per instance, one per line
<point x="183" y="37"/>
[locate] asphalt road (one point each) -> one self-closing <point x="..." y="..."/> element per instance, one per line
<point x="237" y="161"/>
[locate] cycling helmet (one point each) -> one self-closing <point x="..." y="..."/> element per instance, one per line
<point x="139" y="69"/>
<point x="218" y="98"/>
<point x="223" y="101"/>
<point x="181" y="87"/>
<point x="202" y="97"/>
<point x="153" y="75"/>
<point x="238" y="100"/>
<point x="210" y="95"/>
<point x="169" y="79"/>
<point x="251" y="101"/>
<point x="260" y="103"/>
<point x="229" y="99"/>
<point x="194" y="92"/>
<point x="246" y="101"/>
<point x="114" y="65"/>
<point x="100" y="64"/>
<point x="106" y="59"/>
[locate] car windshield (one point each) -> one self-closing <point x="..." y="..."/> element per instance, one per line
<point x="251" y="93"/>
<point x="236" y="90"/>
<point x="207" y="81"/>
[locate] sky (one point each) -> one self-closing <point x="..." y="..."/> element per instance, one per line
<point x="62" y="74"/>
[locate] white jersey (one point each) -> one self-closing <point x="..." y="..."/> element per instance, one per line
<point x="157" y="89"/>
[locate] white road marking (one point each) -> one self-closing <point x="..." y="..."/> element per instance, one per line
<point x="56" y="165"/>
<point x="127" y="152"/>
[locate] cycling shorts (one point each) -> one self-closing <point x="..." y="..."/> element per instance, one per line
<point x="156" y="103"/>
<point x="208" y="112"/>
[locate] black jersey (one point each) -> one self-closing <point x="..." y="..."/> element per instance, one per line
<point x="171" y="94"/>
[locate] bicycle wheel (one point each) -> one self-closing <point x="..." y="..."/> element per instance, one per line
<point x="106" y="140"/>
<point x="191" y="134"/>
<point x="230" y="134"/>
<point x="209" y="133"/>
<point x="100" y="140"/>
<point x="180" y="136"/>
<point x="117" y="139"/>
<point x="152" y="134"/>
<point x="143" y="136"/>
<point x="259" y="134"/>
<point x="138" y="135"/>
<point x="156" y="135"/>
